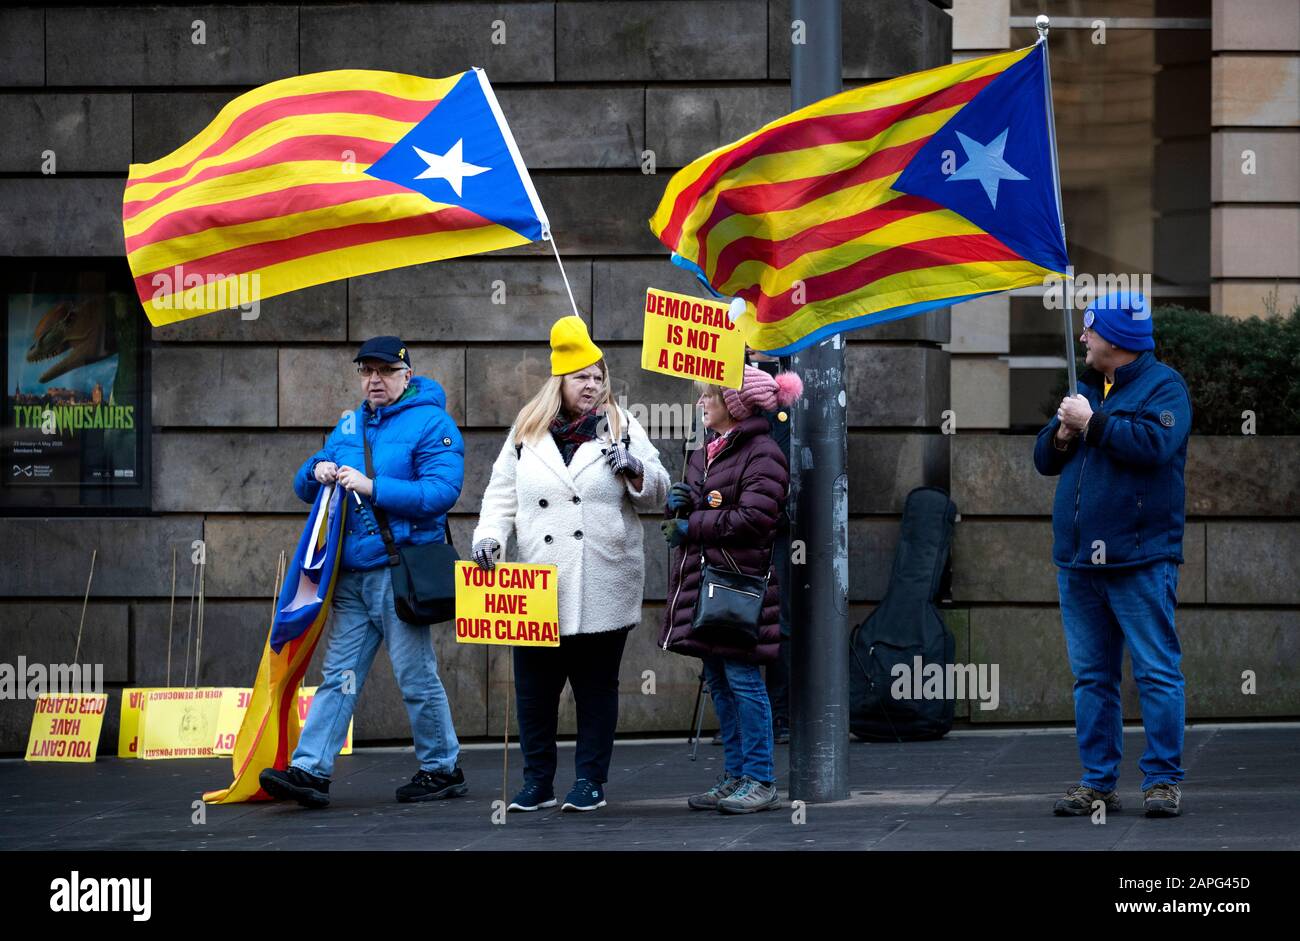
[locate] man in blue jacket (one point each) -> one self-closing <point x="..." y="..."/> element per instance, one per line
<point x="1119" y="447"/>
<point x="419" y="467"/>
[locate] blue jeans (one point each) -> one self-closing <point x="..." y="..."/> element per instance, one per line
<point x="740" y="700"/>
<point x="363" y="617"/>
<point x="1102" y="611"/>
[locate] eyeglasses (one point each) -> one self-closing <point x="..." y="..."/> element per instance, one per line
<point x="383" y="372"/>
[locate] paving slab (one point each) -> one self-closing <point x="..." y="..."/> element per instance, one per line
<point x="973" y="790"/>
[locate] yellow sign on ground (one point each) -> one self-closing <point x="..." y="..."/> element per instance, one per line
<point x="514" y="604"/>
<point x="180" y="723"/>
<point x="691" y="338"/>
<point x="230" y="715"/>
<point x="66" y="727"/>
<point x="305" y="696"/>
<point x="128" y="722"/>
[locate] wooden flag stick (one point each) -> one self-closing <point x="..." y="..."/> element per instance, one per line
<point x="276" y="584"/>
<point x="505" y="749"/>
<point x="546" y="234"/>
<point x="171" y="611"/>
<point x="76" y="657"/>
<point x="189" y="630"/>
<point x="198" y="642"/>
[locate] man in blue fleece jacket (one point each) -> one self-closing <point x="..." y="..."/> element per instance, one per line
<point x="1119" y="447"/>
<point x="419" y="467"/>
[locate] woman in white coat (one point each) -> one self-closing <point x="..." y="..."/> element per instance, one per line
<point x="570" y="478"/>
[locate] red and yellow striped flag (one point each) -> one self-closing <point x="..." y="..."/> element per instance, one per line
<point x="859" y="209"/>
<point x="274" y="195"/>
<point x="270" y="730"/>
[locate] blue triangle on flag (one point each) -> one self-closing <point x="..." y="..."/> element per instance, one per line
<point x="458" y="155"/>
<point x="992" y="164"/>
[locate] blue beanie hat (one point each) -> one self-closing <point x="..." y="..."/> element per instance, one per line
<point x="1123" y="318"/>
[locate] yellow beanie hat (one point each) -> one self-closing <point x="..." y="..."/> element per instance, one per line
<point x="571" y="346"/>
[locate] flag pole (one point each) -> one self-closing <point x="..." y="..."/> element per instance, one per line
<point x="1043" y="24"/>
<point x="548" y="237"/>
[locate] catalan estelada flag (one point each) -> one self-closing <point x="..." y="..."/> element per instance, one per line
<point x="878" y="203"/>
<point x="269" y="732"/>
<point x="325" y="176"/>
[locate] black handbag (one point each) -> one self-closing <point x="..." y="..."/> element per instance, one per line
<point x="424" y="585"/>
<point x="730" y="604"/>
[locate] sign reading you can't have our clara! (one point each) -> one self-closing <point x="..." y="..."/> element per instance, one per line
<point x="514" y="604"/>
<point x="691" y="338"/>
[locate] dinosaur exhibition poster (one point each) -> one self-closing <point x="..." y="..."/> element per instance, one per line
<point x="72" y="393"/>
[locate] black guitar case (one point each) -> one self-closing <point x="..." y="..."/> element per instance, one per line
<point x="906" y="625"/>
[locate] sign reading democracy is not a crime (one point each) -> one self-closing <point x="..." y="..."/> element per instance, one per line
<point x="514" y="604"/>
<point x="691" y="338"/>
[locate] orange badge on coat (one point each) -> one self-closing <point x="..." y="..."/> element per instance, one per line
<point x="714" y="498"/>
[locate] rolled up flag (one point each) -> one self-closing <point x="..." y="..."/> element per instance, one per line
<point x="269" y="732"/>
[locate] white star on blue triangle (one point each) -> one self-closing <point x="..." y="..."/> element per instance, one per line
<point x="984" y="163"/>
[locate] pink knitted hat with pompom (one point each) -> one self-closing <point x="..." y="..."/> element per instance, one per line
<point x="760" y="392"/>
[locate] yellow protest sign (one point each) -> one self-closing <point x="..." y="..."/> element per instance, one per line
<point x="514" y="604"/>
<point x="179" y="723"/>
<point x="692" y="338"/>
<point x="230" y="715"/>
<point x="305" y="697"/>
<point x="128" y="722"/>
<point x="66" y="727"/>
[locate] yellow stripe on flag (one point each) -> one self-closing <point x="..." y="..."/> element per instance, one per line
<point x="411" y="87"/>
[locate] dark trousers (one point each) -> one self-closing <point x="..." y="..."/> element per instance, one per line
<point x="589" y="662"/>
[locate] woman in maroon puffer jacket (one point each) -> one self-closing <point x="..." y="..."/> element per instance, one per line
<point x="730" y="505"/>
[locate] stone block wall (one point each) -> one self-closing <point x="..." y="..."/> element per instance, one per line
<point x="594" y="92"/>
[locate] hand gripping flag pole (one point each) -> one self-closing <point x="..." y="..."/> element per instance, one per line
<point x="1043" y="24"/>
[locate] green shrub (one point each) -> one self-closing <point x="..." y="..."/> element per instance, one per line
<point x="1231" y="366"/>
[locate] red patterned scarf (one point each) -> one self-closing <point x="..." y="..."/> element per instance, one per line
<point x="569" y="435"/>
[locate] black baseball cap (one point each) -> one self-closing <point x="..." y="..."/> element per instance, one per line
<point x="386" y="349"/>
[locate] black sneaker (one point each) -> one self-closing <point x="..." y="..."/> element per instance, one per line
<point x="297" y="785"/>
<point x="1078" y="801"/>
<point x="1162" y="800"/>
<point x="585" y="795"/>
<point x="533" y="797"/>
<point x="433" y="785"/>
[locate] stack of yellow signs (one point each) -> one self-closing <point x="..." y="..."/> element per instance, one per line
<point x="234" y="703"/>
<point x="128" y="724"/>
<point x="179" y="723"/>
<point x="182" y="718"/>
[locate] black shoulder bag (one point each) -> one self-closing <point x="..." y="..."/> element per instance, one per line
<point x="730" y="604"/>
<point x="424" y="586"/>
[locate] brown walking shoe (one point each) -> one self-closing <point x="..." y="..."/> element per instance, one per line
<point x="1162" y="800"/>
<point x="1078" y="801"/>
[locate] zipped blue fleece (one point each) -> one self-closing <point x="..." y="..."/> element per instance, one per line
<point x="419" y="460"/>
<point x="1120" y="498"/>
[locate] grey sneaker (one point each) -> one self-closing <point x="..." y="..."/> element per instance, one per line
<point x="1078" y="801"/>
<point x="725" y="787"/>
<point x="1162" y="800"/>
<point x="749" y="797"/>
